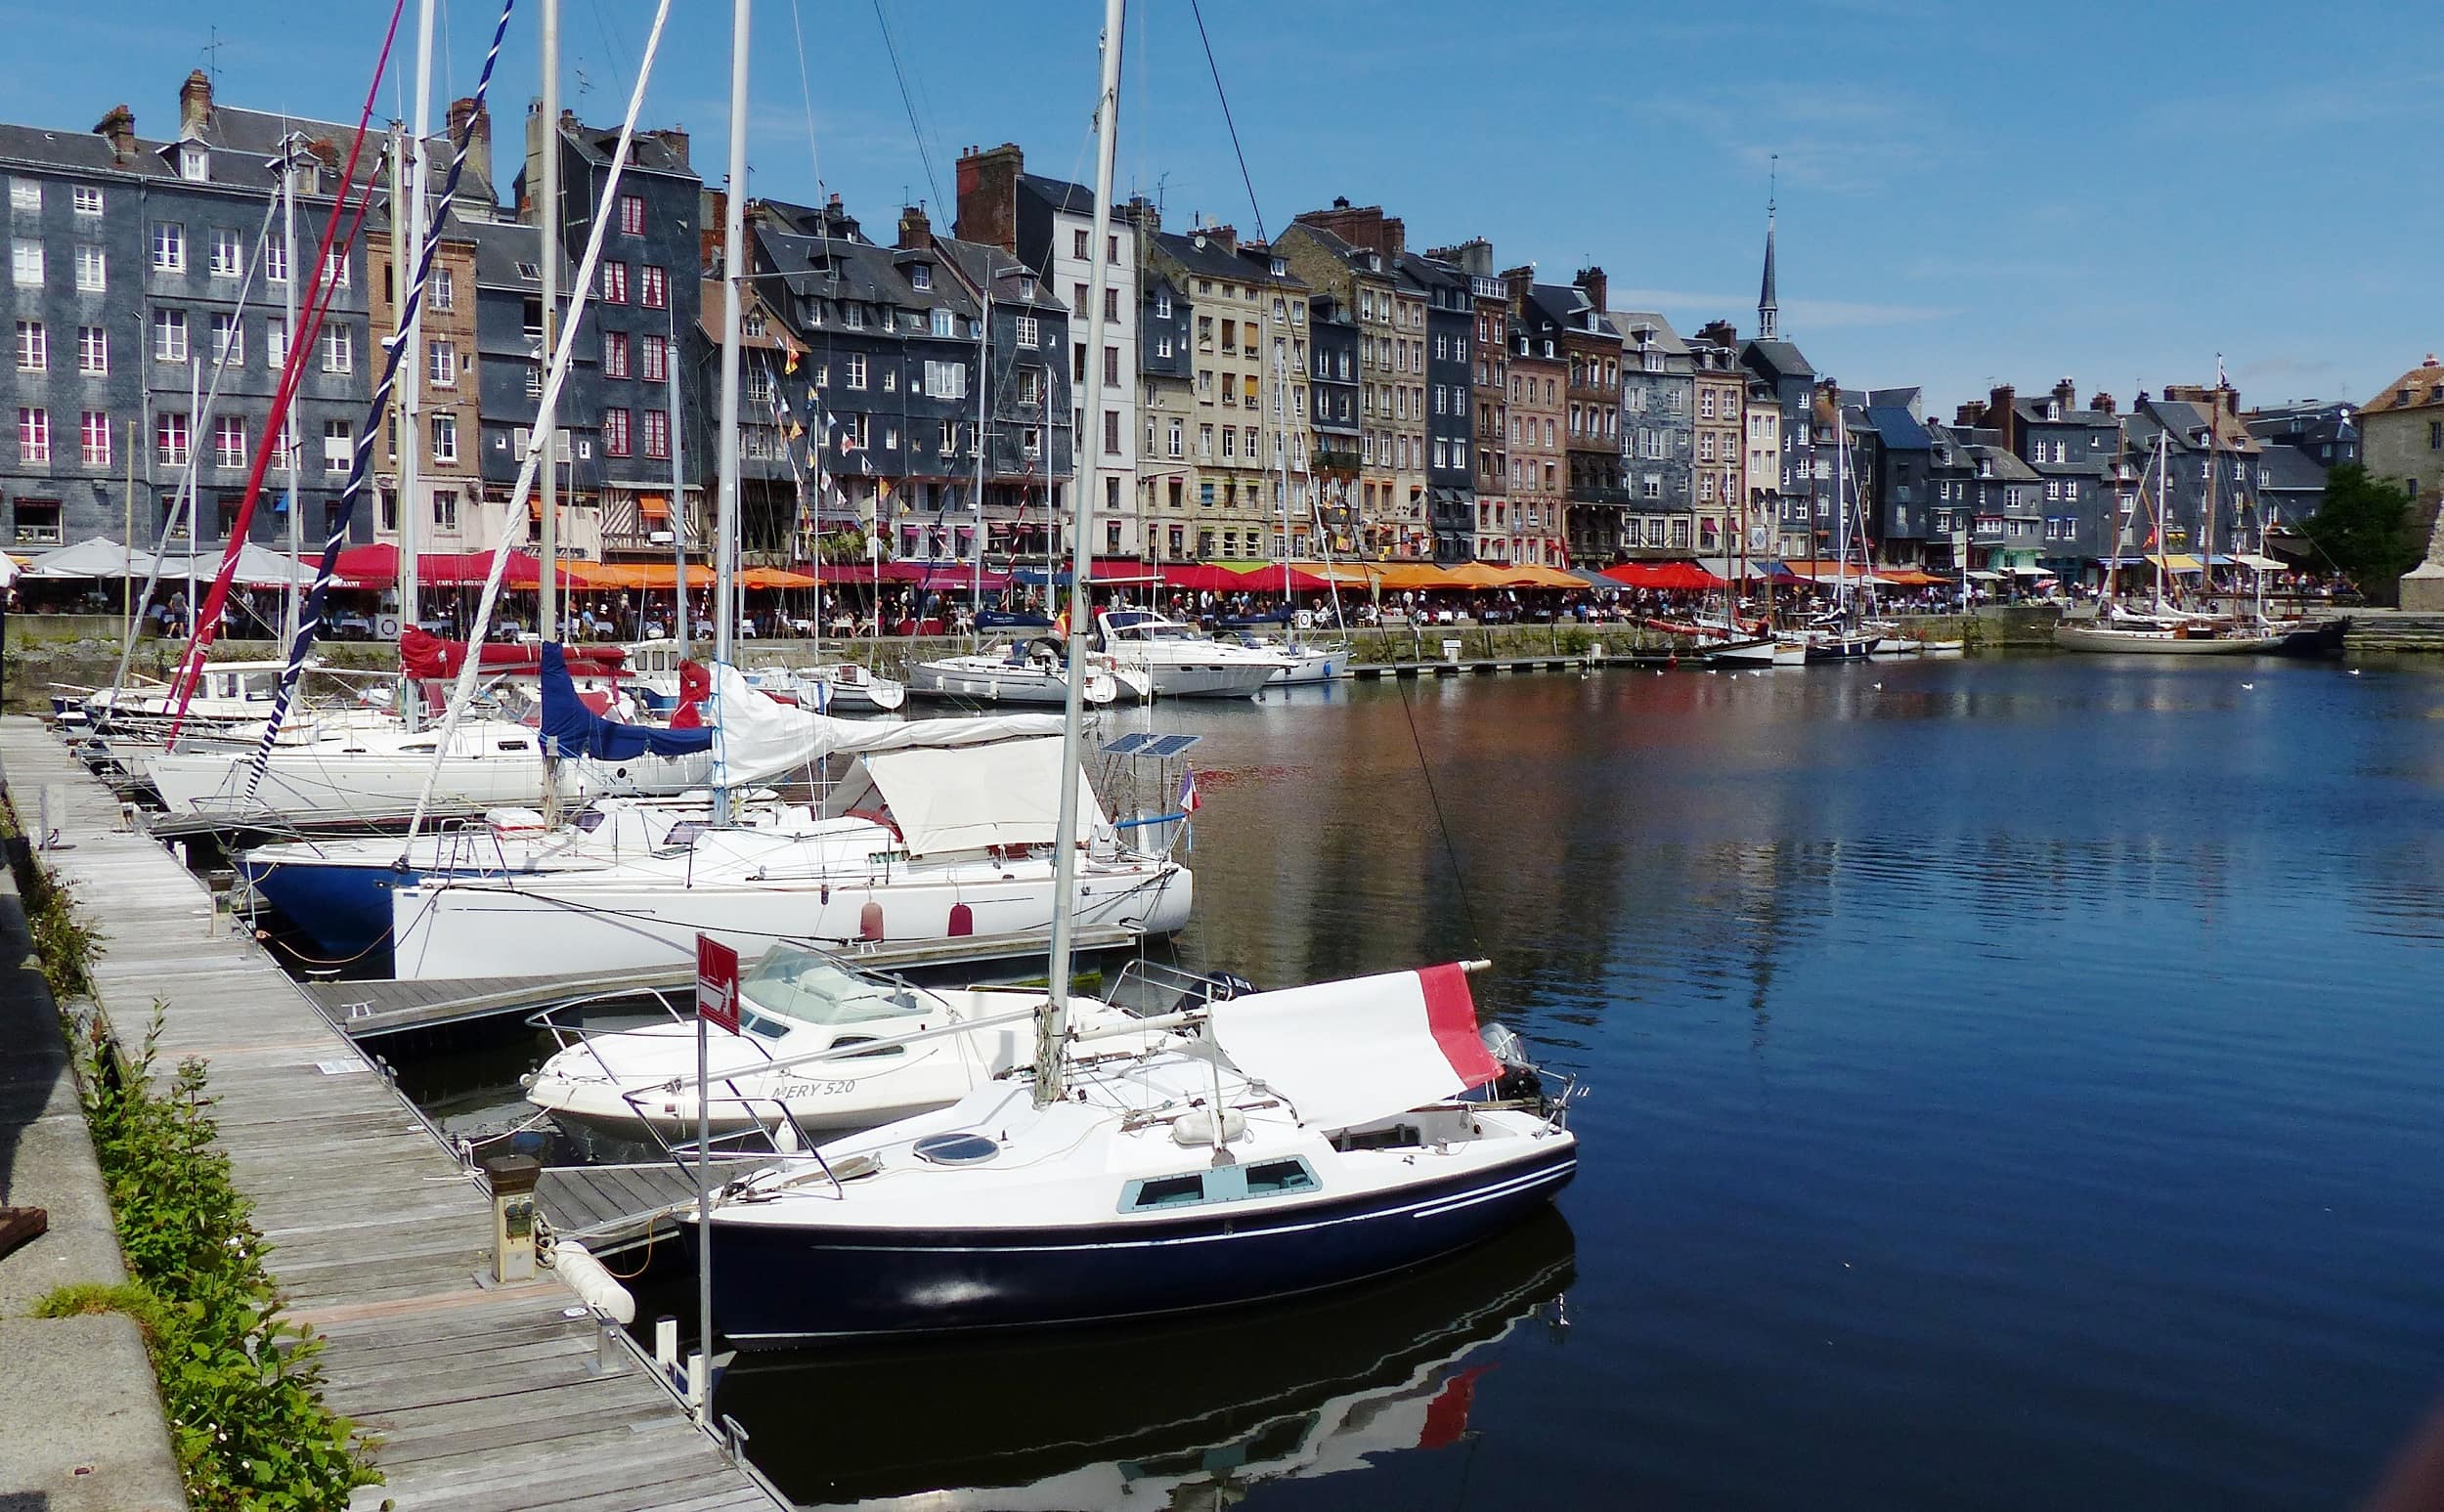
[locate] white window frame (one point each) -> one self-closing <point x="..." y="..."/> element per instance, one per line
<point x="169" y="246"/>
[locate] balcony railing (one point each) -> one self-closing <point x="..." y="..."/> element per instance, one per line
<point x="1336" y="460"/>
<point x="1601" y="494"/>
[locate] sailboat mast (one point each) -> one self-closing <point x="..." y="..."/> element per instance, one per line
<point x="678" y="515"/>
<point x="1281" y="442"/>
<point x="547" y="423"/>
<point x="984" y="386"/>
<point x="2164" y="468"/>
<point x="733" y="283"/>
<point x="411" y="372"/>
<point x="1052" y="1027"/>
<point x="288" y="323"/>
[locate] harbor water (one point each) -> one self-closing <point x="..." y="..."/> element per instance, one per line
<point x="2015" y="1084"/>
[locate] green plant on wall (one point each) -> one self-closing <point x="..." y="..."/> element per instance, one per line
<point x="241" y="1382"/>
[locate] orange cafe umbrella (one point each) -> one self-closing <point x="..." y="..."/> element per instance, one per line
<point x="1417" y="575"/>
<point x="1534" y="574"/>
<point x="1477" y="574"/>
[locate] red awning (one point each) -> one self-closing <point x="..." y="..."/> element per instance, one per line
<point x="942" y="577"/>
<point x="1201" y="578"/>
<point x="377" y="566"/>
<point x="1685" y="576"/>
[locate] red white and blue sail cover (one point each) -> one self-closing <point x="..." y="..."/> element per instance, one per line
<point x="1347" y="1053"/>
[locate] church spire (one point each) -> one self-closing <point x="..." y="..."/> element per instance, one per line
<point x="1769" y="310"/>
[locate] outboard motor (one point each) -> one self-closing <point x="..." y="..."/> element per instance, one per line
<point x="1519" y="1080"/>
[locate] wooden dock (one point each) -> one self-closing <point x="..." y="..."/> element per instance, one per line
<point x="364" y="1010"/>
<point x="482" y="1395"/>
<point x="1487" y="667"/>
<point x="612" y="1209"/>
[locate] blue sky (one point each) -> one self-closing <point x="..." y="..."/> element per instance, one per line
<point x="2115" y="193"/>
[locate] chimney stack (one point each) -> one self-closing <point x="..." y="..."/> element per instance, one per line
<point x="1971" y="416"/>
<point x="473" y="125"/>
<point x="1593" y="281"/>
<point x="988" y="195"/>
<point x="1395" y="238"/>
<point x="1721" y="333"/>
<point x="1519" y="283"/>
<point x="2001" y="415"/>
<point x="916" y="229"/>
<point x="2102" y="403"/>
<point x="2067" y="394"/>
<point x="119" y="129"/>
<point x="673" y="138"/>
<point x="194" y="103"/>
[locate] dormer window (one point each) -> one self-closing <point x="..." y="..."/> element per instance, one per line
<point x="1280" y="269"/>
<point x="920" y="276"/>
<point x="530" y="272"/>
<point x="2053" y="408"/>
<point x="194" y="164"/>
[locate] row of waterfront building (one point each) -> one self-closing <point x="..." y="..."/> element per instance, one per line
<point x="1325" y="390"/>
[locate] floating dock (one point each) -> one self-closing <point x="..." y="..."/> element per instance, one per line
<point x="481" y="1394"/>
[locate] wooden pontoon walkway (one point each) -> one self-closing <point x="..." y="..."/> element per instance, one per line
<point x="483" y="1397"/>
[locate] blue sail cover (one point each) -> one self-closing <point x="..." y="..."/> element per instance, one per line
<point x="571" y="729"/>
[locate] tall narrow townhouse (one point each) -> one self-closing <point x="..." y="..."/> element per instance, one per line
<point x="1354" y="254"/>
<point x="1491" y="536"/>
<point x="1539" y="401"/>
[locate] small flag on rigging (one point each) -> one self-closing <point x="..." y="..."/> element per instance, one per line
<point x="1190" y="801"/>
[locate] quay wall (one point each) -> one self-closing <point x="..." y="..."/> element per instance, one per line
<point x="81" y="649"/>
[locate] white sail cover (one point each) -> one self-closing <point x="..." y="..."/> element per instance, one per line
<point x="760" y="737"/>
<point x="1347" y="1053"/>
<point x="970" y="797"/>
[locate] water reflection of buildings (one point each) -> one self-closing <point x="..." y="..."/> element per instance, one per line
<point x="1177" y="1415"/>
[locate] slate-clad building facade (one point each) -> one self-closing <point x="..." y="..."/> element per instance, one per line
<point x="125" y="260"/>
<point x="1450" y="434"/>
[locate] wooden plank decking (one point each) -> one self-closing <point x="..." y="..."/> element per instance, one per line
<point x="483" y="1396"/>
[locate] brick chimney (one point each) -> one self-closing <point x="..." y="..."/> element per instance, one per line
<point x="2104" y="402"/>
<point x="472" y="124"/>
<point x="1721" y="333"/>
<point x="1224" y="236"/>
<point x="2000" y="414"/>
<point x="1519" y="283"/>
<point x="2067" y="394"/>
<point x="119" y="128"/>
<point x="1395" y="238"/>
<point x="1141" y="213"/>
<point x="1971" y="416"/>
<point x="674" y="137"/>
<point x="1361" y="226"/>
<point x="1596" y="286"/>
<point x="194" y="103"/>
<point x="916" y="229"/>
<point x="988" y="195"/>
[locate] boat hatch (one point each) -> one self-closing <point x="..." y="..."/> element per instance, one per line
<point x="1223" y="1184"/>
<point x="956" y="1148"/>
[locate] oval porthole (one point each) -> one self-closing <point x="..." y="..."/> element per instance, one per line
<point x="956" y="1148"/>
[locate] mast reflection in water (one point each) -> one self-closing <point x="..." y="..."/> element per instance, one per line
<point x="1192" y="1414"/>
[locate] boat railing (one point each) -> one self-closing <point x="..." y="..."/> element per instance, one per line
<point x="577" y="1036"/>
<point x="1152" y="987"/>
<point x="760" y="1133"/>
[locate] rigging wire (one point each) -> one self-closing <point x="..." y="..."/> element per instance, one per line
<point x="907" y="102"/>
<point x="1244" y="177"/>
<point x="1426" y="768"/>
<point x="806" y="95"/>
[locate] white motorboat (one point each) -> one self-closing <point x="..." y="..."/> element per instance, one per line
<point x="637" y="1086"/>
<point x="1760" y="651"/>
<point x="1306" y="663"/>
<point x="1029" y="672"/>
<point x="917" y="843"/>
<point x="1180" y="661"/>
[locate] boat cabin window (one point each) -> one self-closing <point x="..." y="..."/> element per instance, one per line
<point x="878" y="1053"/>
<point x="1168" y="1192"/>
<point x="1223" y="1184"/>
<point x="512" y="745"/>
<point x="812" y="988"/>
<point x="1277" y="1176"/>
<point x="684" y="833"/>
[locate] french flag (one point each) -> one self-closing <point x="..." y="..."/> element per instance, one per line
<point x="1190" y="801"/>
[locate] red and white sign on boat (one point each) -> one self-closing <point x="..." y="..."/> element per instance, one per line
<point x="1344" y="1053"/>
<point x="717" y="983"/>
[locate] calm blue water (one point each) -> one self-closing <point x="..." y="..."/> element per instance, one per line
<point x="2015" y="1084"/>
